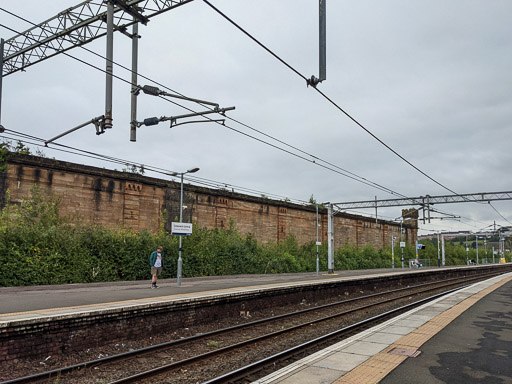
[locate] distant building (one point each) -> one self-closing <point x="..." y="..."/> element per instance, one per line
<point x="447" y="235"/>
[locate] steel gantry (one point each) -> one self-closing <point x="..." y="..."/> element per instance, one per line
<point x="423" y="201"/>
<point x="77" y="26"/>
<point x="482" y="197"/>
<point x="89" y="20"/>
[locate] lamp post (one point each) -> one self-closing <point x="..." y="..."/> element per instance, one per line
<point x="180" y="262"/>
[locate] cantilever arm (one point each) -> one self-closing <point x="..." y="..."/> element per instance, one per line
<point x="96" y="121"/>
<point x="154" y="91"/>
<point x="174" y="124"/>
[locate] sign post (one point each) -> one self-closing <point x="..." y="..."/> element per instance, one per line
<point x="402" y="246"/>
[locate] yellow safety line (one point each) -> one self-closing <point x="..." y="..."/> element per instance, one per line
<point x="380" y="365"/>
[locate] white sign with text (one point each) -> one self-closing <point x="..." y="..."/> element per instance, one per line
<point x="183" y="229"/>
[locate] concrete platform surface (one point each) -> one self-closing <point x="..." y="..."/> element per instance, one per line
<point x="28" y="301"/>
<point x="475" y="348"/>
<point x="464" y="337"/>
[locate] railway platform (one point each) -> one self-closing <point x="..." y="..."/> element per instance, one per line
<point x="403" y="350"/>
<point x="462" y="338"/>
<point x="24" y="303"/>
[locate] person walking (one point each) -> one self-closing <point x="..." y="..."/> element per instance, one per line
<point x="156" y="261"/>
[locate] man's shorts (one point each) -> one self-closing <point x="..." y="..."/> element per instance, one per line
<point x="156" y="271"/>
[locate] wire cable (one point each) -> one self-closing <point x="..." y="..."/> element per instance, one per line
<point x="282" y="142"/>
<point x="342" y="172"/>
<point x="197" y="180"/>
<point x="503" y="217"/>
<point x="327" y="98"/>
<point x="76" y="151"/>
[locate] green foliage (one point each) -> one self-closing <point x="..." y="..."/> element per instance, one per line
<point x="38" y="246"/>
<point x="6" y="146"/>
<point x="132" y="168"/>
<point x="4" y="150"/>
<point x="21" y="148"/>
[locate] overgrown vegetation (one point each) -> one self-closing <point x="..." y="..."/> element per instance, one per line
<point x="7" y="146"/>
<point x="37" y="246"/>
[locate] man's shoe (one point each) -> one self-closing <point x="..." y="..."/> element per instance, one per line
<point x="156" y="286"/>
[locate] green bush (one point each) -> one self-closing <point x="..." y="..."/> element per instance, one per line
<point x="37" y="247"/>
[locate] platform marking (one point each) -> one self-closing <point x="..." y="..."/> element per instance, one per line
<point x="380" y="365"/>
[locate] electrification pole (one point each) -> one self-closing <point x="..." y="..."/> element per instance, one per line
<point x="476" y="239"/>
<point x="1" y="75"/>
<point x="401" y="247"/>
<point x="135" y="53"/>
<point x="322" y="43"/>
<point x="330" y="239"/>
<point x="467" y="251"/>
<point x="438" y="255"/>
<point x="443" y="251"/>
<point x="317" y="259"/>
<point x="110" y="67"/>
<point x="393" y="251"/>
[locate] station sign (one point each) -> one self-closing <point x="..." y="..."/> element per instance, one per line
<point x="402" y="244"/>
<point x="182" y="229"/>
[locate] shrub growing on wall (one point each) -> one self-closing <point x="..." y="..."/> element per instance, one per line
<point x="37" y="246"/>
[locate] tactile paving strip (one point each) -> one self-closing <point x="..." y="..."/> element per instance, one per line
<point x="380" y="365"/>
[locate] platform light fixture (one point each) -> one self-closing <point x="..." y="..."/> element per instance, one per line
<point x="180" y="261"/>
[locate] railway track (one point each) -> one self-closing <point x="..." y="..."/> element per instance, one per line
<point x="246" y="351"/>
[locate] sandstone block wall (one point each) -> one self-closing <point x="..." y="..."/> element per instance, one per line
<point x="114" y="198"/>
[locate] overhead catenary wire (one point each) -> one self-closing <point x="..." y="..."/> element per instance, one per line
<point x="331" y="101"/>
<point x="344" y="172"/>
<point x="326" y="97"/>
<point x="503" y="217"/>
<point x="201" y="181"/>
<point x="314" y="159"/>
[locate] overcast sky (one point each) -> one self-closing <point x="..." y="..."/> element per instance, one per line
<point x="431" y="79"/>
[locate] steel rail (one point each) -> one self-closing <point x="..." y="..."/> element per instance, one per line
<point x="243" y="372"/>
<point x="158" y="347"/>
<point x="173" y="366"/>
